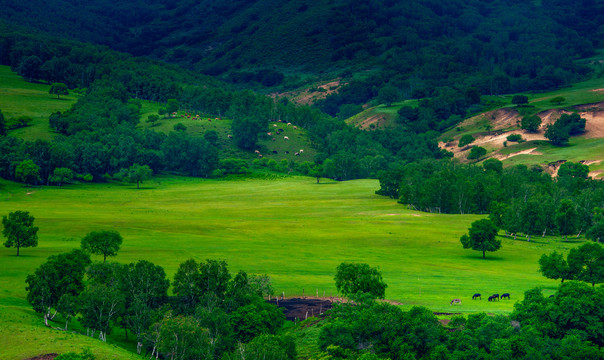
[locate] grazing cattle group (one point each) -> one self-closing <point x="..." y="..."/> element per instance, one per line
<point x="494" y="297"/>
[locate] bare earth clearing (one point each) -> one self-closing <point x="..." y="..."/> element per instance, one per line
<point x="503" y="119"/>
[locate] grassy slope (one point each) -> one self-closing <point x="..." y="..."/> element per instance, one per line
<point x="18" y="97"/>
<point x="382" y="116"/>
<point x="298" y="138"/>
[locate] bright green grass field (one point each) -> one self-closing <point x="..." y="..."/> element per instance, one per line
<point x="18" y="97"/>
<point x="290" y="228"/>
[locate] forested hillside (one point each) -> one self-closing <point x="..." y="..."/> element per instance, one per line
<point x="497" y="46"/>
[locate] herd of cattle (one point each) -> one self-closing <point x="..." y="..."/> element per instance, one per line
<point x="494" y="297"/>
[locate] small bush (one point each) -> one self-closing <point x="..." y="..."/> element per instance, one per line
<point x="515" y="138"/>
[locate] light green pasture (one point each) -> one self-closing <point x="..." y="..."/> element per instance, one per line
<point x="18" y="98"/>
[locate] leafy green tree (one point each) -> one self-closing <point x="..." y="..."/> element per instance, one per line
<point x="19" y="230"/>
<point x="28" y="172"/>
<point x="596" y="231"/>
<point x="100" y="306"/>
<point x="58" y="89"/>
<point x="557" y="100"/>
<point x="182" y="338"/>
<point x="29" y="68"/>
<point x="465" y="140"/>
<point x="61" y="275"/>
<point x="566" y="218"/>
<point x="266" y="347"/>
<point x="139" y="173"/>
<point x="186" y="285"/>
<point x="61" y="176"/>
<point x="476" y="152"/>
<point x="104" y="242"/>
<point x="588" y="261"/>
<point x="557" y="133"/>
<point x="353" y="279"/>
<point x="532" y="218"/>
<point x="387" y="95"/>
<point x="572" y="169"/>
<point x="553" y="266"/>
<point x="211" y="136"/>
<point x="162" y="112"/>
<point x="520" y="100"/>
<point x="573" y="122"/>
<point x="213" y="282"/>
<point x="493" y="164"/>
<point x="530" y="123"/>
<point x="481" y="237"/>
<point x="257" y="318"/>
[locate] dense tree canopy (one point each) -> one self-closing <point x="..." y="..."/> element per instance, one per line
<point x="104" y="242"/>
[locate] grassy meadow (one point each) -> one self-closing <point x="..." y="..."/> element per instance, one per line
<point x="21" y="98"/>
<point x="290" y="228"/>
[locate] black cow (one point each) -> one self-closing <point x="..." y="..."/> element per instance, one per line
<point x="495" y="296"/>
<point x="506" y="295"/>
<point x="477" y="295"/>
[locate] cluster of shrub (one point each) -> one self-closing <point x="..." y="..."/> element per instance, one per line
<point x="519" y="199"/>
<point x="212" y="314"/>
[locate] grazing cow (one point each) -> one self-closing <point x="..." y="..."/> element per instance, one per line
<point x="551" y="296"/>
<point x="301" y="151"/>
<point x="260" y="155"/>
<point x="210" y="120"/>
<point x="286" y="138"/>
<point x="455" y="301"/>
<point x="287" y="152"/>
<point x="274" y="125"/>
<point x="269" y="133"/>
<point x="257" y="151"/>
<point x="506" y="295"/>
<point x="288" y="124"/>
<point x="295" y="127"/>
<point x="477" y="295"/>
<point x="280" y="130"/>
<point x="230" y="136"/>
<point x="275" y="152"/>
<point x="280" y="120"/>
<point x="491" y="298"/>
<point x="297" y="154"/>
<point x="495" y="296"/>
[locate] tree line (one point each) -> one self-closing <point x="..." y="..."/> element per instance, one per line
<point x="211" y="315"/>
<point x="519" y="199"/>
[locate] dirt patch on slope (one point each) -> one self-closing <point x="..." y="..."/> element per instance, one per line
<point x="310" y="95"/>
<point x="44" y="357"/>
<point x="376" y="120"/>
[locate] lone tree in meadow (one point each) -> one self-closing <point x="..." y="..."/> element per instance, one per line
<point x="19" y="230"/>
<point x="58" y="89"/>
<point x="352" y="279"/>
<point x="520" y="100"/>
<point x="106" y="243"/>
<point x="481" y="237"/>
<point x="557" y="100"/>
<point x="139" y="173"/>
